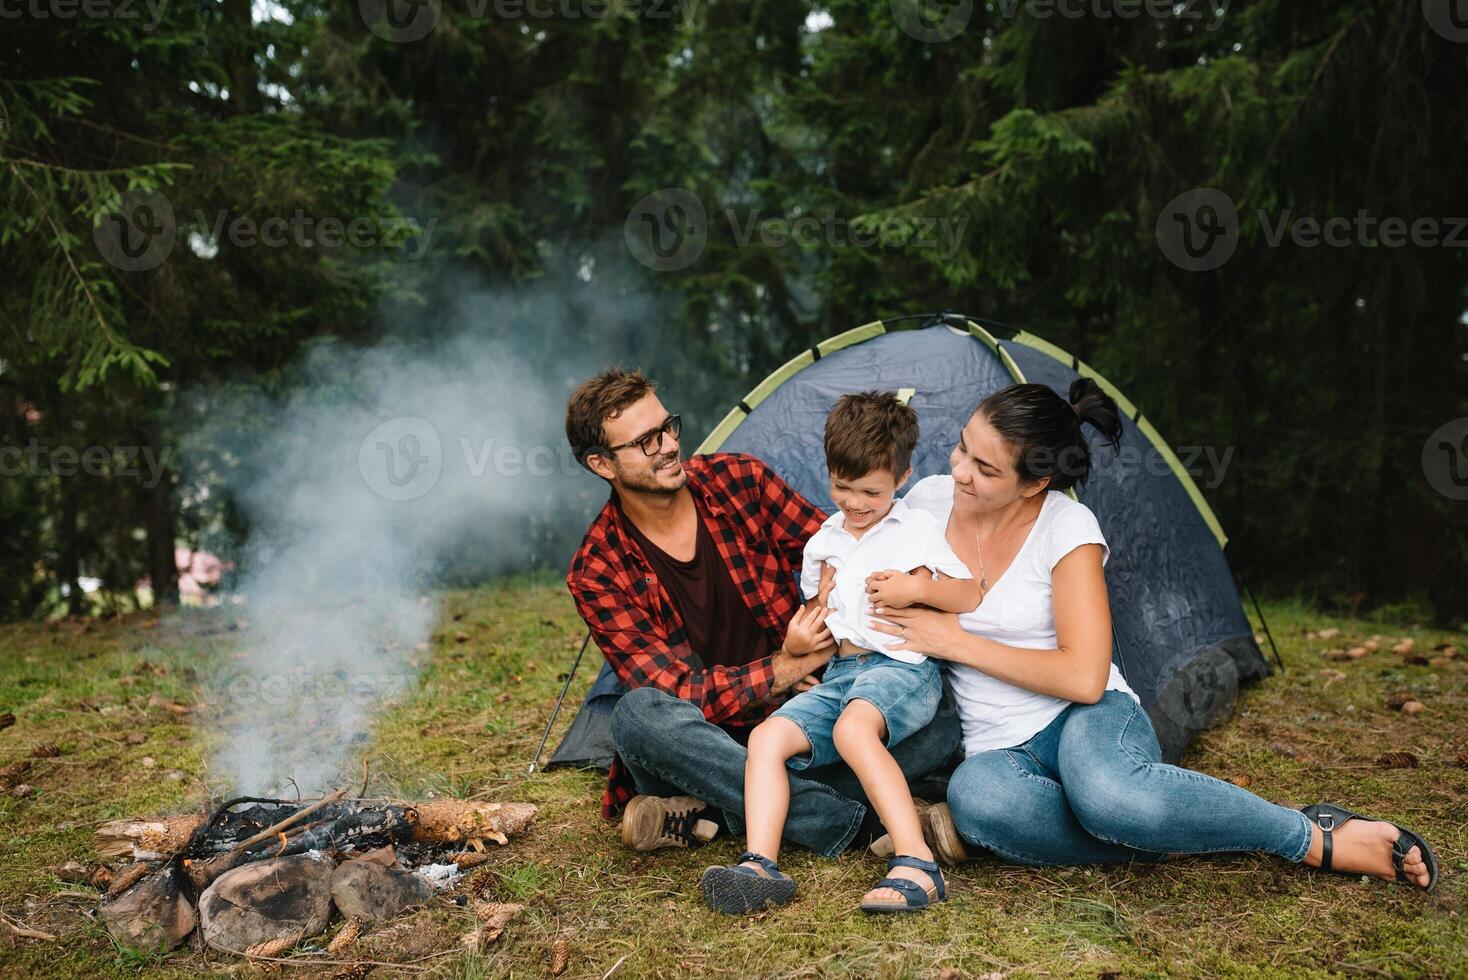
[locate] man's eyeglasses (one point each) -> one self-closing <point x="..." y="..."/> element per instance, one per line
<point x="651" y="443"/>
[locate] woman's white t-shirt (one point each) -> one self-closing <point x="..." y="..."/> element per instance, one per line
<point x="1017" y="612"/>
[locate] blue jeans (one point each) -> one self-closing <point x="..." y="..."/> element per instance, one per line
<point x="1091" y="789"/>
<point x="671" y="750"/>
<point x="906" y="694"/>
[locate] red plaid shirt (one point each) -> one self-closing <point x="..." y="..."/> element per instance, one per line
<point x="760" y="525"/>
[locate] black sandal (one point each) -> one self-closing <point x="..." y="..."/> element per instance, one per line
<point x="915" y="897"/>
<point x="1328" y="817"/>
<point x="737" y="890"/>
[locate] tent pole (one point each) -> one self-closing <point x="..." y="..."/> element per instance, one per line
<point x="557" y="709"/>
<point x="1265" y="623"/>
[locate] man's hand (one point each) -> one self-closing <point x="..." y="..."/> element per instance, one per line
<point x="806" y="683"/>
<point x="807" y="632"/>
<point x="797" y="674"/>
<point x="892" y="589"/>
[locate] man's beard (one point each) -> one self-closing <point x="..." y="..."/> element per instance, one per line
<point x="648" y="482"/>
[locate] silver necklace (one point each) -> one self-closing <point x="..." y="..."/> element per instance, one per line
<point x="984" y="572"/>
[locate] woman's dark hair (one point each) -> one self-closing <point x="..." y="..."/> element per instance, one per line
<point x="1045" y="429"/>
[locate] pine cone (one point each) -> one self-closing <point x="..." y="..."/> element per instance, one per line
<point x="345" y="937"/>
<point x="12" y="773"/>
<point x="273" y="947"/>
<point x="560" y="956"/>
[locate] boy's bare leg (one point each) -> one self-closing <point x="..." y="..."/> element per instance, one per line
<point x="860" y="733"/>
<point x="767" y="784"/>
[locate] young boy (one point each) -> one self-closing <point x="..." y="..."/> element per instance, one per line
<point x="871" y="697"/>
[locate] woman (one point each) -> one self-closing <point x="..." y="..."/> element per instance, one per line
<point x="1062" y="765"/>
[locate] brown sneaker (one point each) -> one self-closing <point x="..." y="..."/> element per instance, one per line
<point x="651" y="823"/>
<point x="938" y="831"/>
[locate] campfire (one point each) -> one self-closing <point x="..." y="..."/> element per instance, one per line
<point x="258" y="876"/>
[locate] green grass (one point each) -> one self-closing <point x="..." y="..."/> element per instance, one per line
<point x="472" y="726"/>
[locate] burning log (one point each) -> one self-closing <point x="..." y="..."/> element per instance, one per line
<point x="255" y="832"/>
<point x="203" y="872"/>
<point x="269" y="835"/>
<point x="272" y="828"/>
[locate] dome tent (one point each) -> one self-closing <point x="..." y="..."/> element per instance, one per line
<point x="1182" y="639"/>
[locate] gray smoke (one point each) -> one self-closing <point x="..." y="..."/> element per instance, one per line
<point x="365" y="478"/>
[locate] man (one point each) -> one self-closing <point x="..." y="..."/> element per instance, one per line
<point x="688" y="581"/>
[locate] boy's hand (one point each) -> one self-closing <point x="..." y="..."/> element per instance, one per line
<point x="807" y="632"/>
<point x="892" y="589"/>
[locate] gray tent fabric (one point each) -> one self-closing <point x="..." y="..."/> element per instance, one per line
<point x="588" y="742"/>
<point x="1182" y="639"/>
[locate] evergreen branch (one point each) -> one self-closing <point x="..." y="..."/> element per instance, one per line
<point x="65" y="251"/>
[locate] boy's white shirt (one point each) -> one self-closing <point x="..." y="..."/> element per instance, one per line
<point x="905" y="538"/>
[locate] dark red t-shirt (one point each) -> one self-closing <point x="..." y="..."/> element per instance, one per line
<point x="721" y="629"/>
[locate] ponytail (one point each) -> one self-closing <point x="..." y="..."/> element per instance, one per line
<point x="1096" y="408"/>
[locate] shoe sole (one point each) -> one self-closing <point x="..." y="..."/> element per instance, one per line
<point x="942" y="835"/>
<point x="939" y="834"/>
<point x="736" y="893"/>
<point x="896" y="909"/>
<point x="642" y="825"/>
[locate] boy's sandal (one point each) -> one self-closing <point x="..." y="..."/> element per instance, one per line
<point x="1329" y="817"/>
<point x="915" y="896"/>
<point x="737" y="890"/>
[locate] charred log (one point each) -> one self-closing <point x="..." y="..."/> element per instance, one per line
<point x="333" y="827"/>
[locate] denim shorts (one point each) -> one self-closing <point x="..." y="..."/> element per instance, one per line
<point x="907" y="695"/>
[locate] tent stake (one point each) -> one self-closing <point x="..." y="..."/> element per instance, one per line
<point x="1265" y="623"/>
<point x="557" y="709"/>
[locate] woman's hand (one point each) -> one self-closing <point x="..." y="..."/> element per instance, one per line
<point x="892" y="589"/>
<point x="928" y="631"/>
<point x="807" y="632"/>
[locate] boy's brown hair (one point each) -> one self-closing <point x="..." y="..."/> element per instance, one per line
<point x="597" y="399"/>
<point x="870" y="431"/>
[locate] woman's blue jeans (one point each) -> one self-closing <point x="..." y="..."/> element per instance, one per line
<point x="1091" y="788"/>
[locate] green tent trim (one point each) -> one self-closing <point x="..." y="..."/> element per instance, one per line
<point x="781" y="375"/>
<point x="806" y="358"/>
